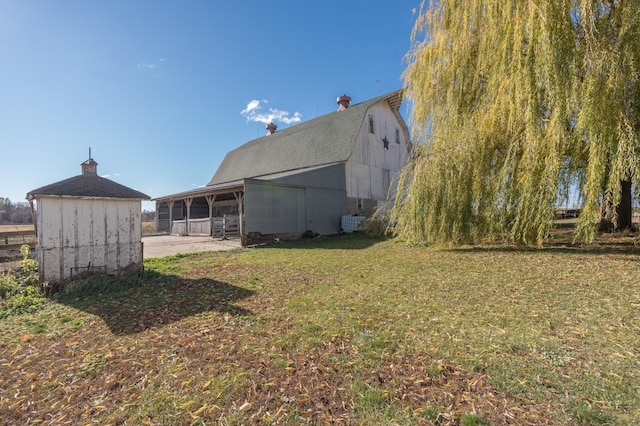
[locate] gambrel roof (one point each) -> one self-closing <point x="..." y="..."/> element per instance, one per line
<point x="328" y="139"/>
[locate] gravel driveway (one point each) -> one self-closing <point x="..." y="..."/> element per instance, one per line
<point x="167" y="245"/>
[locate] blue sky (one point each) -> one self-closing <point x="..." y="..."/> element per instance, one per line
<point x="161" y="90"/>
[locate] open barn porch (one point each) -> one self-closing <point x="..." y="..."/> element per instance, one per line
<point x="210" y="211"/>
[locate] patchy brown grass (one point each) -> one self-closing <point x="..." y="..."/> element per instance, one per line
<point x="185" y="372"/>
<point x="347" y="330"/>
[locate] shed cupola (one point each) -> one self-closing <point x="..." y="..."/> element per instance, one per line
<point x="89" y="167"/>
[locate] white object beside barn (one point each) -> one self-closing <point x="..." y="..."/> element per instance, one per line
<point x="87" y="223"/>
<point x="350" y="223"/>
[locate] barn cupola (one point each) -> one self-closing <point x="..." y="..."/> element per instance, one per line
<point x="90" y="167"/>
<point x="344" y="102"/>
<point x="271" y="128"/>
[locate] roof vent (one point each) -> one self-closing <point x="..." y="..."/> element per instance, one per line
<point x="271" y="128"/>
<point x="344" y="102"/>
<point x="89" y="166"/>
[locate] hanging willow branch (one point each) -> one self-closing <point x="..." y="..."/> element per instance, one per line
<point x="512" y="103"/>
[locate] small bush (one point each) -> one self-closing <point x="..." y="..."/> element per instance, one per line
<point x="17" y="297"/>
<point x="310" y="234"/>
<point x="28" y="267"/>
<point x="19" y="292"/>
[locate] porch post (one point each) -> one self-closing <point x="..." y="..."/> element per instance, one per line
<point x="157" y="215"/>
<point x="210" y="199"/>
<point x="240" y="197"/>
<point x="34" y="218"/>
<point x="188" y="202"/>
<point x="171" y="202"/>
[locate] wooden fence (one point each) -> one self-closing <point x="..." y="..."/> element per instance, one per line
<point x="200" y="227"/>
<point x="225" y="226"/>
<point x="13" y="239"/>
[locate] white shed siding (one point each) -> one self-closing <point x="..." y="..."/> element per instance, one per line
<point x="372" y="167"/>
<point x="77" y="233"/>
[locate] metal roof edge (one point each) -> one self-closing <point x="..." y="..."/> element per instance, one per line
<point x="202" y="191"/>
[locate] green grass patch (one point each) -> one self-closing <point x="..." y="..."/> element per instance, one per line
<point x="473" y="419"/>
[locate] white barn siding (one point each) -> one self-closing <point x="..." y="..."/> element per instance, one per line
<point x="371" y="168"/>
<point x="75" y="234"/>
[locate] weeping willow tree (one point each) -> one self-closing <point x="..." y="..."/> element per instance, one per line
<point x="514" y="106"/>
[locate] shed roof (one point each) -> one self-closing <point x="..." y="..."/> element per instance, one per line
<point x="87" y="185"/>
<point x="323" y="140"/>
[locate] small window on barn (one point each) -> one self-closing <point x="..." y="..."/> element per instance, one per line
<point x="397" y="135"/>
<point x="371" y="124"/>
<point x="360" y="205"/>
<point x="386" y="179"/>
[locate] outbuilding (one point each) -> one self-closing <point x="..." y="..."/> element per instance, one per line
<point x="87" y="223"/>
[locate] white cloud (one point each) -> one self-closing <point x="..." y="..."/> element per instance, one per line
<point x="285" y="118"/>
<point x="150" y="66"/>
<point x="254" y="104"/>
<point x="253" y="113"/>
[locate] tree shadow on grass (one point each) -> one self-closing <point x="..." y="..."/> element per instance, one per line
<point x="133" y="304"/>
<point x="561" y="241"/>
<point x="352" y="241"/>
<point x="619" y="248"/>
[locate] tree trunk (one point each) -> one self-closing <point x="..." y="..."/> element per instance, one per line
<point x="625" y="211"/>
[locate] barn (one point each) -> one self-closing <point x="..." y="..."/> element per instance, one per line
<point x="87" y="223"/>
<point x="307" y="177"/>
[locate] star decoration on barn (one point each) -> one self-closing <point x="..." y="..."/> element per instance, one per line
<point x="385" y="142"/>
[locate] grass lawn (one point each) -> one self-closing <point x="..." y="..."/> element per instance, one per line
<point x="344" y="330"/>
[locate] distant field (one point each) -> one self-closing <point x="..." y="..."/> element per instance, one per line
<point x="147" y="228"/>
<point x="7" y="228"/>
<point x="9" y="244"/>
